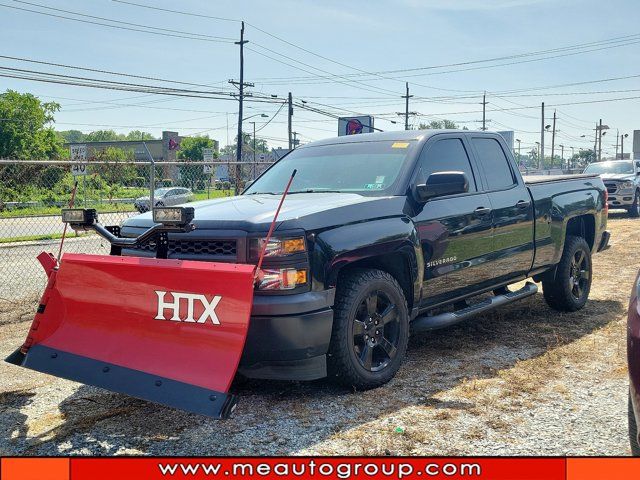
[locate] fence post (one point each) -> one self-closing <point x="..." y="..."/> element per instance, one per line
<point x="152" y="178"/>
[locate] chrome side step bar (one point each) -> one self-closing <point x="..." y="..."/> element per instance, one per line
<point x="442" y="320"/>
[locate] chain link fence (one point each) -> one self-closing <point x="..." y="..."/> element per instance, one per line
<point x="33" y="192"/>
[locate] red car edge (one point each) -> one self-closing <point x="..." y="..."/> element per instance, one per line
<point x="633" y="357"/>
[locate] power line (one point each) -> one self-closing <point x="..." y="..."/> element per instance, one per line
<point x="186" y="35"/>
<point x="96" y="70"/>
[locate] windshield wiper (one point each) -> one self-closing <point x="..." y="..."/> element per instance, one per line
<point x="316" y="190"/>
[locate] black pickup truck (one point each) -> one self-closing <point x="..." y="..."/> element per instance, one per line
<point x="387" y="232"/>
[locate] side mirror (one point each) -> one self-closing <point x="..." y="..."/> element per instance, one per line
<point x="440" y="184"/>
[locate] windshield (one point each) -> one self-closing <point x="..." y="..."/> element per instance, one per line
<point x="368" y="168"/>
<point x="161" y="191"/>
<point x="610" y="167"/>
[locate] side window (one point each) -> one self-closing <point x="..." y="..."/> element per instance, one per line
<point x="447" y="155"/>
<point x="495" y="163"/>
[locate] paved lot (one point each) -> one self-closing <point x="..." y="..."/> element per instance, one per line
<point x="523" y="380"/>
<point x="49" y="224"/>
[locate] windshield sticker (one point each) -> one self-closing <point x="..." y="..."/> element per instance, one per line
<point x="400" y="145"/>
<point x="380" y="179"/>
<point x="374" y="186"/>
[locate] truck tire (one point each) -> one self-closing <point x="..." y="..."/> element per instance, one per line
<point x="370" y="329"/>
<point x="633" y="431"/>
<point x="568" y="290"/>
<point x="634" y="209"/>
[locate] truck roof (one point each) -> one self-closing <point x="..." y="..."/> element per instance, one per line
<point x="389" y="136"/>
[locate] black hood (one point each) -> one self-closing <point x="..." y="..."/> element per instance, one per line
<point x="300" y="210"/>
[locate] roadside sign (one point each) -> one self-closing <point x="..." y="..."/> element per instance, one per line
<point x="79" y="158"/>
<point x="207" y="156"/>
<point x="355" y="125"/>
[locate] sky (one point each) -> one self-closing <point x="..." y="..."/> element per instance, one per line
<point x="342" y="58"/>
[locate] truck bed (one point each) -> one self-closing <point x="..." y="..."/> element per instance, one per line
<point x="534" y="179"/>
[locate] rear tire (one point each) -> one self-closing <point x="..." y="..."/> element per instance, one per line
<point x="633" y="431"/>
<point x="370" y="329"/>
<point x="634" y="209"/>
<point x="569" y="290"/>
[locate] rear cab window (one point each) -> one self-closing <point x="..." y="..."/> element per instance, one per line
<point x="497" y="167"/>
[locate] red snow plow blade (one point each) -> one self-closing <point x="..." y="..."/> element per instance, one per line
<point x="167" y="331"/>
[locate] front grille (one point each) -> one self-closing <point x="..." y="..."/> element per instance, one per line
<point x="611" y="187"/>
<point x="187" y="248"/>
<point x="203" y="247"/>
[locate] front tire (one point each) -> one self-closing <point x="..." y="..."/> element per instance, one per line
<point x="370" y="329"/>
<point x="568" y="290"/>
<point x="633" y="431"/>
<point x="634" y="209"/>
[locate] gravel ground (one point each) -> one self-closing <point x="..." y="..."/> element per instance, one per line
<point x="523" y="380"/>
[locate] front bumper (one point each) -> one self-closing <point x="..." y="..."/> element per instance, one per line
<point x="288" y="336"/>
<point x="621" y="198"/>
<point x="633" y="356"/>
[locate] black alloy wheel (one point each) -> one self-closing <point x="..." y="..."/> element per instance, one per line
<point x="579" y="273"/>
<point x="376" y="331"/>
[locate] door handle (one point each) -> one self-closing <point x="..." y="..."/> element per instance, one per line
<point x="522" y="204"/>
<point x="481" y="211"/>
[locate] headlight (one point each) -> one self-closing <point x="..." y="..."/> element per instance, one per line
<point x="626" y="185"/>
<point x="278" y="247"/>
<point x="79" y="216"/>
<point x="174" y="216"/>
<point x="281" y="279"/>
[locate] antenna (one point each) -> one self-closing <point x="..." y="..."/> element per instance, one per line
<point x="273" y="223"/>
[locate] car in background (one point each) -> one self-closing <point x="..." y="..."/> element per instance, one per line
<point x="622" y="179"/>
<point x="164" y="197"/>
<point x="633" y="357"/>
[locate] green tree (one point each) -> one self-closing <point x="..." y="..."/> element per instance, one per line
<point x="71" y="136"/>
<point x="439" y="125"/>
<point x="261" y="145"/>
<point x="139" y="135"/>
<point x="25" y="127"/>
<point x="103" y="136"/>
<point x="119" y="169"/>
<point x="191" y="149"/>
<point x="582" y="158"/>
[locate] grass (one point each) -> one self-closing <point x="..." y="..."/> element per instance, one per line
<point x="45" y="210"/>
<point x="35" y="238"/>
<point x="212" y="194"/>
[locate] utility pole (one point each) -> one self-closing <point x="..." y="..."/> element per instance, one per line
<point x="406" y="107"/>
<point x="553" y="138"/>
<point x="617" y="135"/>
<point x="541" y="156"/>
<point x="241" y="86"/>
<point x="600" y="141"/>
<point x="519" y="144"/>
<point x="295" y="139"/>
<point x="484" y="111"/>
<point x="595" y="145"/>
<point x="622" y="146"/>
<point x="570" y="162"/>
<point x="254" y="151"/>
<point x="290" y="121"/>
<point x="561" y="155"/>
